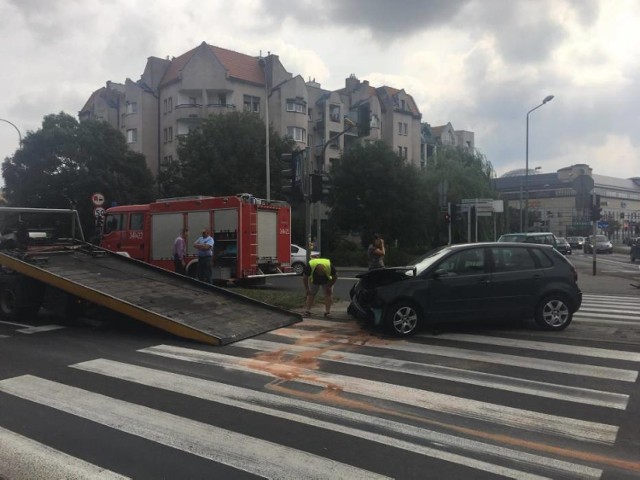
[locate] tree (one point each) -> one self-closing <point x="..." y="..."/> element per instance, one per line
<point x="467" y="175"/>
<point x="65" y="162"/>
<point x="225" y="156"/>
<point x="374" y="190"/>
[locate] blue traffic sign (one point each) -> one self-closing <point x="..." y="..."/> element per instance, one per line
<point x="603" y="225"/>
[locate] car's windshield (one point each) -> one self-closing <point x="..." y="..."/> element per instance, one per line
<point x="428" y="259"/>
<point x="601" y="238"/>
<point x="513" y="237"/>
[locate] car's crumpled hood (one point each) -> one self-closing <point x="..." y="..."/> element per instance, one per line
<point x="385" y="276"/>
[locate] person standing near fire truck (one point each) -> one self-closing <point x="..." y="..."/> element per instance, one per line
<point x="204" y="245"/>
<point x="180" y="251"/>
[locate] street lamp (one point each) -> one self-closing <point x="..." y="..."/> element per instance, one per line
<point x="19" y="134"/>
<point x="548" y="98"/>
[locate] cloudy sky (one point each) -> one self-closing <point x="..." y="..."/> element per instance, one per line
<point x="479" y="64"/>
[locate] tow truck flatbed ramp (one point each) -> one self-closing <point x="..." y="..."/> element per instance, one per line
<point x="179" y="305"/>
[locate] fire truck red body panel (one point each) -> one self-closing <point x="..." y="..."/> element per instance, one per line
<point x="252" y="236"/>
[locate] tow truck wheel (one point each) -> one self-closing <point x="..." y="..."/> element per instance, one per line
<point x="20" y="299"/>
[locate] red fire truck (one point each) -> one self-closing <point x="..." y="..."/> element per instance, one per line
<point x="252" y="236"/>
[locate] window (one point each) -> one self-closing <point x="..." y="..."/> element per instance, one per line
<point x="297" y="133"/>
<point x="406" y="152"/>
<point x="297" y="105"/>
<point x="399" y="128"/>
<point x="114" y="223"/>
<point x="170" y="134"/>
<point x="132" y="107"/>
<point x="222" y="99"/>
<point x="164" y="102"/>
<point x="165" y="135"/>
<point x="251" y="104"/>
<point x="193" y="101"/>
<point x="170" y="104"/>
<point x="403" y="105"/>
<point x="466" y="262"/>
<point x="406" y="129"/>
<point x="400" y="151"/>
<point x="334" y="113"/>
<point x="137" y="221"/>
<point x="512" y="259"/>
<point x="132" y="135"/>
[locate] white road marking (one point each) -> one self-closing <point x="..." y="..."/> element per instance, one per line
<point x="243" y="452"/>
<point x="339" y="420"/>
<point x="464" y="407"/>
<point x="499" y="382"/>
<point x="43" y="328"/>
<point x="488" y="357"/>
<point x="24" y="459"/>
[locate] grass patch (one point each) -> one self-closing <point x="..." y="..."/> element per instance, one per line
<point x="282" y="299"/>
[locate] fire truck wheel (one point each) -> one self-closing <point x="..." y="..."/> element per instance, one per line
<point x="20" y="298"/>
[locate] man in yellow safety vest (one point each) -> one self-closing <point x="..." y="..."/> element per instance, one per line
<point x="319" y="273"/>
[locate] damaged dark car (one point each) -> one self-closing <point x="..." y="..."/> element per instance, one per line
<point x="470" y="282"/>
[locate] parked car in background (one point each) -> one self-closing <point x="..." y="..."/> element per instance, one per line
<point x="546" y="238"/>
<point x="299" y="258"/>
<point x="563" y="246"/>
<point x="471" y="282"/>
<point x="602" y="244"/>
<point x="576" y="242"/>
<point x="635" y="250"/>
<point x="630" y="240"/>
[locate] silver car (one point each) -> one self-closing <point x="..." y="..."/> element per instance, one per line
<point x="602" y="243"/>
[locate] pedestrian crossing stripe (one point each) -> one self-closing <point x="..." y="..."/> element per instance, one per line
<point x="243" y="452"/>
<point x="488" y="380"/>
<point x="339" y="420"/>
<point x="422" y="399"/>
<point x="43" y="461"/>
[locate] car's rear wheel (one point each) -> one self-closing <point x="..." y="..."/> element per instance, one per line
<point x="298" y="268"/>
<point x="403" y="318"/>
<point x="553" y="313"/>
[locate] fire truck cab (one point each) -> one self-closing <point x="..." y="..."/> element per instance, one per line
<point x="252" y="236"/>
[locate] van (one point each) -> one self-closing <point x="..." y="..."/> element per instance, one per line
<point x="546" y="238"/>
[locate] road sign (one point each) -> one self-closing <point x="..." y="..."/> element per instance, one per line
<point x="98" y="212"/>
<point x="97" y="199"/>
<point x="603" y="225"/>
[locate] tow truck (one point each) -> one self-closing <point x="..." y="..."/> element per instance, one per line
<point x="45" y="262"/>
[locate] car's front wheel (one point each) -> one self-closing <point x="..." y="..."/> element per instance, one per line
<point x="403" y="318"/>
<point x="553" y="313"/>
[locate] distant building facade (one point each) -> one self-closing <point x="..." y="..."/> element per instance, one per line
<point x="175" y="95"/>
<point x="557" y="203"/>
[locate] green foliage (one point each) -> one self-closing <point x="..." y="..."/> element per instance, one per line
<point x="374" y="190"/>
<point x="225" y="156"/>
<point x="467" y="175"/>
<point x="65" y="162"/>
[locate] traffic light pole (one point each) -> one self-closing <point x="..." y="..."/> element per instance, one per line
<point x="450" y="219"/>
<point x="595" y="224"/>
<point x="306" y="188"/>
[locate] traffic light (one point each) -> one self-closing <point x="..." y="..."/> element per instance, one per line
<point x="320" y="187"/>
<point x="596" y="213"/>
<point x="291" y="173"/>
<point x="286" y="174"/>
<point x="364" y="120"/>
<point x="447" y="218"/>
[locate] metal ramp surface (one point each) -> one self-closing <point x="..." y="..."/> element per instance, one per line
<point x="177" y="304"/>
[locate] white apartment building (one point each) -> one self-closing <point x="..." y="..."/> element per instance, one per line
<point x="176" y="94"/>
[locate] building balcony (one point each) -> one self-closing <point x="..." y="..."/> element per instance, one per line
<point x="216" y="108"/>
<point x="188" y="110"/>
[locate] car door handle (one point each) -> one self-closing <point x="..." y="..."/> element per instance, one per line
<point x="484" y="280"/>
